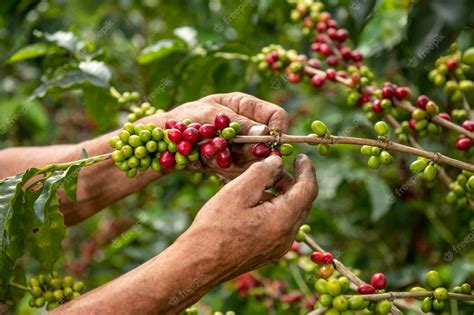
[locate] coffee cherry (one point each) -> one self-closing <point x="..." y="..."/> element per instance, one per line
<point x="134" y="141"/>
<point x="331" y="74"/>
<point x="421" y="101"/>
<point x="126" y="151"/>
<point x="381" y="128"/>
<point x="221" y="121"/>
<point x="387" y="91"/>
<point x="131" y="173"/>
<point x="374" y="162"/>
<point x="321" y="286"/>
<point x="334" y="287"/>
<point x="36" y="291"/>
<point x="345" y="283"/>
<point x="365" y="289"/>
<point x="55" y="284"/>
<point x="151" y="146"/>
<point x="357" y="303"/>
<point x="440" y="294"/>
<point x="385" y="157"/>
<point x="463" y="143"/>
<point x="172" y="147"/>
<point x="318" y="80"/>
<point x="438" y="305"/>
<point x="261" y="150"/>
<point x="327" y="258"/>
<point x="383" y="307"/>
<point x="236" y="126"/>
<point x="133" y="162"/>
<point x="430" y="173"/>
<point x="228" y="133"/>
<point x="457" y="289"/>
<point x="325" y="300"/>
<point x="170" y="123"/>
<point x="39" y="302"/>
<point x="317" y="257"/>
<point x="326" y="271"/>
<point x="377" y="106"/>
<point x="157" y="134"/>
<point x="286" y="149"/>
<point x="185" y="148"/>
<point x="433" y="279"/>
<point x="402" y="92"/>
<point x="466" y="287"/>
<point x="207" y="131"/>
<point x="468" y="125"/>
<point x="319" y="128"/>
<point x="141" y="152"/>
<point x="366" y="150"/>
<point x="180" y="126"/>
<point x="418" y="165"/>
<point x="175" y="135"/>
<point x="194" y="156"/>
<point x="219" y="143"/>
<point x="117" y="156"/>
<point x="162" y="146"/>
<point x="378" y="281"/>
<point x="191" y="135"/>
<point x="445" y="116"/>
<point x="426" y="305"/>
<point x="180" y="159"/>
<point x="224" y="158"/>
<point x="340" y="303"/>
<point x="208" y="150"/>
<point x="324" y="149"/>
<point x="145" y="135"/>
<point x="167" y="159"/>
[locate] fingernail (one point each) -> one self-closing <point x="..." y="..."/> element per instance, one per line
<point x="257" y="130"/>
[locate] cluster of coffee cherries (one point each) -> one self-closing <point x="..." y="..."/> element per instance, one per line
<point x="463" y="142"/>
<point x="424" y="168"/>
<point x="450" y="71"/>
<point x="461" y="190"/>
<point x="52" y="291"/>
<point x="421" y="117"/>
<point x="378" y="156"/>
<point x="307" y="13"/>
<point x="138" y="147"/>
<point x="436" y="303"/>
<point x="125" y="97"/>
<point x="194" y="311"/>
<point x="138" y="112"/>
<point x="263" y="150"/>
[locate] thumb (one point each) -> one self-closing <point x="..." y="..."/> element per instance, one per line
<point x="248" y="189"/>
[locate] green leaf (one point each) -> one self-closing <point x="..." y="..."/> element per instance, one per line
<point x="11" y="221"/>
<point x="361" y="10"/>
<point x="381" y="197"/>
<point x="48" y="192"/>
<point x="383" y="31"/>
<point x="32" y="51"/>
<point x="63" y="39"/>
<point x="91" y="73"/>
<point x="101" y="107"/>
<point x="433" y="26"/>
<point x="161" y="49"/>
<point x="70" y="182"/>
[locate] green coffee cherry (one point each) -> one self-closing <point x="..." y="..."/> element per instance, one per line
<point x="155" y="165"/>
<point x="300" y="236"/>
<point x="386" y="157"/>
<point x="438" y="305"/>
<point x="113" y="141"/>
<point x="305" y="228"/>
<point x="366" y="150"/>
<point x="418" y="165"/>
<point x="126" y="151"/>
<point x="117" y="156"/>
<point x="468" y="56"/>
<point x="319" y="128"/>
<point x="321" y="286"/>
<point x="151" y="146"/>
<point x="345" y="283"/>
<point x="381" y="128"/>
<point x="157" y="134"/>
<point x="375" y="151"/>
<point x="131" y="173"/>
<point x="172" y="147"/>
<point x="236" y="126"/>
<point x="334" y="287"/>
<point x="357" y="303"/>
<point x="433" y="279"/>
<point x="124" y="135"/>
<point x="325" y="299"/>
<point x="134" y="141"/>
<point x="141" y="152"/>
<point x="466" y="288"/>
<point x="324" y="149"/>
<point x="340" y="303"/>
<point x="55" y="284"/>
<point x="383" y="307"/>
<point x="287" y="149"/>
<point x="228" y="133"/>
<point x="36" y="291"/>
<point x="78" y="286"/>
<point x="426" y="305"/>
<point x="373" y="162"/>
<point x="430" y="172"/>
<point x="440" y="294"/>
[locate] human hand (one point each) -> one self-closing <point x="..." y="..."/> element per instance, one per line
<point x="255" y="116"/>
<point x="244" y="226"/>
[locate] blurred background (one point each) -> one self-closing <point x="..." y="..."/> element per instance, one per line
<point x="177" y="51"/>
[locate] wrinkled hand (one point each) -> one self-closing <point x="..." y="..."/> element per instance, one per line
<point x="249" y="226"/>
<point x="255" y="116"/>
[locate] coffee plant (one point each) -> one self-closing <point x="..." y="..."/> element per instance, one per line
<point x="434" y="132"/>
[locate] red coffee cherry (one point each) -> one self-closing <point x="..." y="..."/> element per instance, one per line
<point x="325" y="49"/>
<point x="332" y="61"/>
<point x="445" y="116"/>
<point x="180" y="126"/>
<point x="468" y="125"/>
<point x="207" y="131"/>
<point x="412" y="123"/>
<point x="452" y="63"/>
<point x="321" y="27"/>
<point x="314" y="63"/>
<point x="387" y="91"/>
<point x="342" y="35"/>
<point x="276" y="153"/>
<point x="294" y="77"/>
<point x="208" y="150"/>
<point x="402" y="92"/>
<point x="421" y="101"/>
<point x="272" y="57"/>
<point x="328" y="258"/>
<point x="185" y="148"/>
<point x="224" y="158"/>
<point x="194" y="125"/>
<point x="463" y="143"/>
<point x="331" y="74"/>
<point x="365" y="289"/>
<point x="377" y="106"/>
<point x="356" y="56"/>
<point x="219" y="143"/>
<point x="175" y="135"/>
<point x="221" y="121"/>
<point x="261" y="150"/>
<point x="346" y="53"/>
<point x="167" y="159"/>
<point x="317" y="258"/>
<point x="379" y="281"/>
<point x="170" y="123"/>
<point x="191" y="135"/>
<point x="318" y="80"/>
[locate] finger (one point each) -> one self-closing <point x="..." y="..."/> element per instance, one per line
<point x="300" y="196"/>
<point x="256" y="109"/>
<point x="248" y="189"/>
<point x="284" y="182"/>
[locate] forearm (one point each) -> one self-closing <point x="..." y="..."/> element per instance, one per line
<point x="98" y="185"/>
<point x="166" y="284"/>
